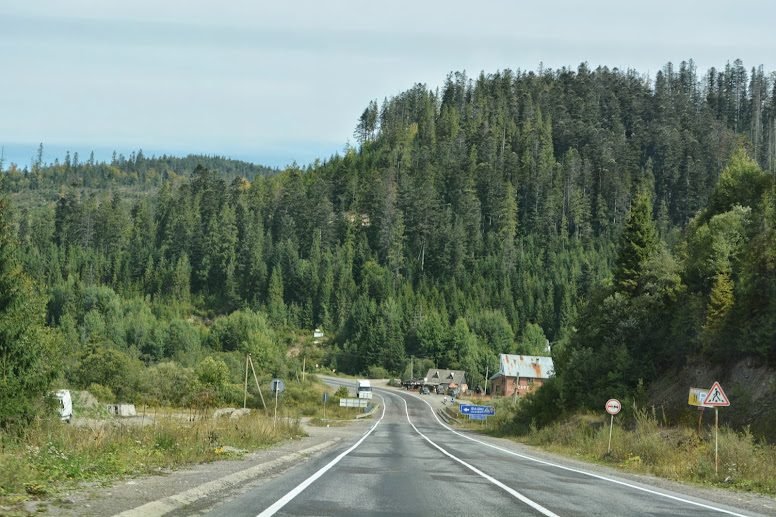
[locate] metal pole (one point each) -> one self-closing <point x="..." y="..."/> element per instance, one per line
<point x="716" y="441"/>
<point x="274" y="420"/>
<point x="304" y="363"/>
<point x="611" y="425"/>
<point x="324" y="409"/>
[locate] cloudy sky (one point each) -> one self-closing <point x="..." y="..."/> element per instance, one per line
<point x="276" y="82"/>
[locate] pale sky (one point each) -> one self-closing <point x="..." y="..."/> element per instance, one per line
<point x="277" y="82"/>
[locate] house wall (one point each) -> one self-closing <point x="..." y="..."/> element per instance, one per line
<point x="506" y="386"/>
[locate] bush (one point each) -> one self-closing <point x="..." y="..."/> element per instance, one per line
<point x="101" y="393"/>
<point x="377" y="372"/>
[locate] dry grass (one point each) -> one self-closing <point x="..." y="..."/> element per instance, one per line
<point x="51" y="456"/>
<point x="677" y="453"/>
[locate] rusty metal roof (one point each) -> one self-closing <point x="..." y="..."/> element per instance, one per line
<point x="533" y="366"/>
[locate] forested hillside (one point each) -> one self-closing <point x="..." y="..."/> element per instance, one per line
<point x="626" y="220"/>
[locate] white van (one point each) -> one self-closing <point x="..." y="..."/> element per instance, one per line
<point x="364" y="389"/>
<point x="65" y="405"/>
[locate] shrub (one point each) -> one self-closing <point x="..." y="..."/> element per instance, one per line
<point x="101" y="393"/>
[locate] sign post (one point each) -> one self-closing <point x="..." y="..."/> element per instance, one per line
<point x="697" y="397"/>
<point x="476" y="412"/>
<point x="612" y="407"/>
<point x="716" y="398"/>
<point x="277" y="386"/>
<point x="325" y="398"/>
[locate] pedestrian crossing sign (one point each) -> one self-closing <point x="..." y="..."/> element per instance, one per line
<point x="716" y="397"/>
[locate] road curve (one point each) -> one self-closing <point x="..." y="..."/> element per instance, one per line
<point x="409" y="463"/>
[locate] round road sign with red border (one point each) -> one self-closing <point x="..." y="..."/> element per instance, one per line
<point x="613" y="406"/>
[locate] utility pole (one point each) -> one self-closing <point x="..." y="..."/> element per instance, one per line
<point x="412" y="359"/>
<point x="486" y="379"/>
<point x="245" y="389"/>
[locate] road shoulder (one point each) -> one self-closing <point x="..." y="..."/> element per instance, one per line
<point x="197" y="486"/>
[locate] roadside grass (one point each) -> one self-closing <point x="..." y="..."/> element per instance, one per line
<point x="645" y="445"/>
<point x="306" y="400"/>
<point x="50" y="456"/>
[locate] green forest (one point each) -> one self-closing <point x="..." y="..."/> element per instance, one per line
<point x="627" y="221"/>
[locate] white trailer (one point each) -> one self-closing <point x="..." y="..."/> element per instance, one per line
<point x="364" y="389"/>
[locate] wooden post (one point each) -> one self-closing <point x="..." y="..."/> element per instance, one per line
<point x="517" y="382"/>
<point x="700" y="419"/>
<point x="245" y="387"/>
<point x="257" y="383"/>
<point x="486" y="380"/>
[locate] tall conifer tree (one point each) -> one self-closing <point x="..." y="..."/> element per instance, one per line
<point x="637" y="242"/>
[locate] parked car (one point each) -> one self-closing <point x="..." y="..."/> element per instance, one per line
<point x="453" y="392"/>
<point x="425" y="391"/>
<point x="440" y="390"/>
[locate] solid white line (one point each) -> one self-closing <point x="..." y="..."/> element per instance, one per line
<point x="280" y="503"/>
<point x="514" y="493"/>
<point x="623" y="483"/>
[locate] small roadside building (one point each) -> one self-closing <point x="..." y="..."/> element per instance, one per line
<point x="446" y="379"/>
<point x="521" y="374"/>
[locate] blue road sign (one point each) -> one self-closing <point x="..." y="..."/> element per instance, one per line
<point x="477" y="417"/>
<point x="470" y="409"/>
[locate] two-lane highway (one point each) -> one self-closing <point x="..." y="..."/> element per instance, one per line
<point x="410" y="463"/>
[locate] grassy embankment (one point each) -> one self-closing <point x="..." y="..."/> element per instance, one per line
<point x="50" y="457"/>
<point x="643" y="444"/>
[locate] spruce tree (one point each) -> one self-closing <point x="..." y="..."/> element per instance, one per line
<point x="637" y="242"/>
<point x="26" y="362"/>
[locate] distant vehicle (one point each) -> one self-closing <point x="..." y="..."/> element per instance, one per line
<point x="440" y="390"/>
<point x="424" y="390"/>
<point x="65" y="405"/>
<point x="364" y="389"/>
<point x="452" y="391"/>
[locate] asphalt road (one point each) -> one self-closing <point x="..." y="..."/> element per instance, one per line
<point x="410" y="463"/>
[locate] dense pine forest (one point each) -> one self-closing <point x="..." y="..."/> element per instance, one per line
<point x="623" y="220"/>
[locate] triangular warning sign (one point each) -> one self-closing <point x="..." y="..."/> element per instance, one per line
<point x="716" y="397"/>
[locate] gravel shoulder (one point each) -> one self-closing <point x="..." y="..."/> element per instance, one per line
<point x="131" y="493"/>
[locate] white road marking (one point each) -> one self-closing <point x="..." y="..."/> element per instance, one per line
<point x="536" y="506"/>
<point x="280" y="503"/>
<point x="611" y="480"/>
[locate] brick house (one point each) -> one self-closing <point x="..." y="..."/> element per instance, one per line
<point x="521" y="373"/>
